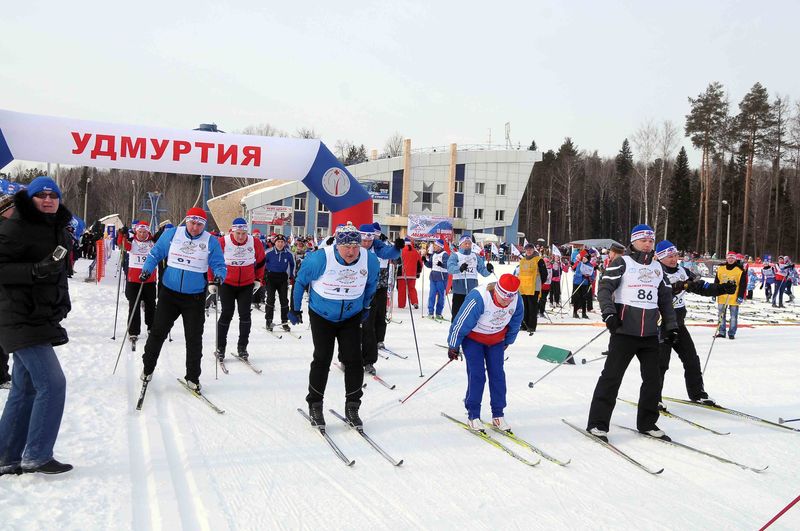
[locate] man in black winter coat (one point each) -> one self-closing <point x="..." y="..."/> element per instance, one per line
<point x="34" y="298"/>
<point x="633" y="294"/>
<point x="6" y="210"/>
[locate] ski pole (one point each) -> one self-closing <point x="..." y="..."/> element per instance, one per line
<point x="784" y="421"/>
<point x="716" y="332"/>
<point x="413" y="329"/>
<point x="572" y="355"/>
<point x="130" y="320"/>
<point x="780" y="514"/>
<point x="119" y="281"/>
<point x="425" y="382"/>
<point x="216" y="338"/>
<point x="584" y="361"/>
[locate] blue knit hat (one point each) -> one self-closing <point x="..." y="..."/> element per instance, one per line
<point x="641" y="232"/>
<point x="665" y="248"/>
<point x="239" y="224"/>
<point x="439" y="242"/>
<point x="347" y="235"/>
<point x="43" y="183"/>
<point x="376" y="227"/>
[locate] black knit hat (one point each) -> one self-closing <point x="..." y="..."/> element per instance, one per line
<point x="6" y="202"/>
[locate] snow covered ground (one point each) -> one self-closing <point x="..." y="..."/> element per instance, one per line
<point x="177" y="464"/>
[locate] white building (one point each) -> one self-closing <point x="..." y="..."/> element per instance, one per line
<point x="480" y="187"/>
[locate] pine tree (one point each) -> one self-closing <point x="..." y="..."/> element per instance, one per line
<point x="624" y="163"/>
<point x="681" y="221"/>
<point x="532" y="147"/>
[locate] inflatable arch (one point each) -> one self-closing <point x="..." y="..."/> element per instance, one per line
<point x="106" y="145"/>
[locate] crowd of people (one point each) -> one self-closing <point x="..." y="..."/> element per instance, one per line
<point x="346" y="284"/>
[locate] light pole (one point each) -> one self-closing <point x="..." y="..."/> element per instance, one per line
<point x="86" y="199"/>
<point x="728" y="237"/>
<point x="548" y="229"/>
<point x="666" y="221"/>
<point x="133" y="200"/>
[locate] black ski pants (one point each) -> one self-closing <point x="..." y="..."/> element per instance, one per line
<point x="4" y="374"/>
<point x="621" y="350"/>
<point x="147" y="298"/>
<point x="530" y="304"/>
<point x="458" y="300"/>
<point x="692" y="373"/>
<point x="375" y="324"/>
<point x="231" y="297"/>
<point x="555" y="292"/>
<point x="172" y="305"/>
<point x="580" y="298"/>
<point x="277" y="282"/>
<point x="325" y="334"/>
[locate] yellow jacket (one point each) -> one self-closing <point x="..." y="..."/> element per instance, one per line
<point x="528" y="271"/>
<point x="726" y="275"/>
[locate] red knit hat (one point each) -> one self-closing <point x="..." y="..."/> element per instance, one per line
<point x="507" y="285"/>
<point x="196" y="212"/>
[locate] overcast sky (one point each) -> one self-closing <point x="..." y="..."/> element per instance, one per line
<point x="437" y="72"/>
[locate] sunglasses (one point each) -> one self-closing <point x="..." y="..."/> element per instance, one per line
<point x="46" y="195"/>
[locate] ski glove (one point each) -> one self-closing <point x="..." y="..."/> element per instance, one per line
<point x="463" y="267"/>
<point x="740" y="300"/>
<point x="490" y="268"/>
<point x="143" y="276"/>
<point x="399" y="243"/>
<point x="218" y="280"/>
<point x="256" y="285"/>
<point x="612" y="321"/>
<point x="295" y="317"/>
<point x="679" y="287"/>
<point x="452" y="353"/>
<point x="761" y="286"/>
<point x="729" y="288"/>
<point x="671" y="337"/>
<point x="439" y="263"/>
<point x="365" y="314"/>
<point x="46" y="267"/>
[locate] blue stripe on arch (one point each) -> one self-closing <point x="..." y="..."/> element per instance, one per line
<point x="5" y="152"/>
<point x="324" y="161"/>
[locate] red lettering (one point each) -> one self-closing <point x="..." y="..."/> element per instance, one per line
<point x="180" y="147"/>
<point x="81" y="141"/>
<point x="160" y="146"/>
<point x="223" y="154"/>
<point x="251" y="153"/>
<point x="204" y="147"/>
<point x="133" y="149"/>
<point x="108" y="151"/>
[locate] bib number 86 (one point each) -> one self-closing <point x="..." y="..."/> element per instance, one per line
<point x="643" y="295"/>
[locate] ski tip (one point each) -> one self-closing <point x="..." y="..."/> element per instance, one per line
<point x="530" y="384"/>
<point x="656" y="472"/>
<point x="399" y="463"/>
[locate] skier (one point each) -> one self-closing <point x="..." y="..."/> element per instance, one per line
<point x="342" y="279"/>
<point x="437" y="263"/>
<point x="485" y="325"/>
<point x="582" y="284"/>
<point x="244" y="262"/>
<point x="684" y="281"/>
<point x="732" y="270"/>
<point x="767" y="278"/>
<point x="279" y="273"/>
<point x="189" y="251"/>
<point x="383" y="292"/>
<point x="410" y="269"/>
<point x="6" y="210"/>
<point x="532" y="270"/>
<point x="632" y="295"/>
<point x="546" y="283"/>
<point x="34" y="299"/>
<point x="376" y="322"/>
<point x="138" y="248"/>
<point x="465" y="265"/>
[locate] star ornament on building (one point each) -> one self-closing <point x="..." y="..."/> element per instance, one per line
<point x="427" y="190"/>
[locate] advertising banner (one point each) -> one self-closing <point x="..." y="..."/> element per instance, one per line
<point x="376" y="189"/>
<point x="430" y="227"/>
<point x="272" y="215"/>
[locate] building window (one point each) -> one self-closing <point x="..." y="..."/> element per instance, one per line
<point x="396" y="209"/>
<point x="322" y="207"/>
<point x="458" y="212"/>
<point x="376" y="208"/>
<point x="501" y="189"/>
<point x="459" y="187"/>
<point x="499" y="215"/>
<point x="478" y="213"/>
<point x="300" y="203"/>
<point x="479" y="188"/>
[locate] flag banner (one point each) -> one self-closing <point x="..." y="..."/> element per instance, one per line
<point x="429" y="227"/>
<point x="554" y="250"/>
<point x="158" y="149"/>
<point x="515" y="251"/>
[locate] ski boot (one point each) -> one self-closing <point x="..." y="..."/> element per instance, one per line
<point x="50" y="467"/>
<point x="285" y="327"/>
<point x="369" y="368"/>
<point x="317" y="418"/>
<point x="269" y="326"/>
<point x="501" y="424"/>
<point x="220" y="355"/>
<point x="475" y="424"/>
<point x="146" y="377"/>
<point x="194" y="386"/>
<point x="351" y="414"/>
<point x="657" y="434"/>
<point x="243" y="355"/>
<point x="600" y="434"/>
<point x="381" y="345"/>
